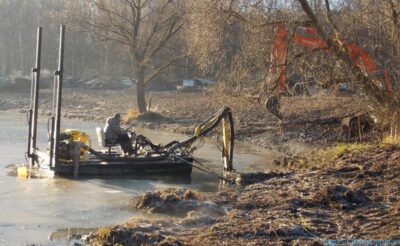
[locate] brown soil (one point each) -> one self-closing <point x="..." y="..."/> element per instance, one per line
<point x="354" y="197"/>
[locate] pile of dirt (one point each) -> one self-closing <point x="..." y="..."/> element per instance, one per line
<point x="252" y="178"/>
<point x="176" y="202"/>
<point x="140" y="233"/>
<point x="340" y="197"/>
<point x="154" y="117"/>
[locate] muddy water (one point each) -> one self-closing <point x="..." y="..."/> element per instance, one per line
<point x="31" y="209"/>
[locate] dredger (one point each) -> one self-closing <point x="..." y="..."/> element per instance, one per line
<point x="70" y="153"/>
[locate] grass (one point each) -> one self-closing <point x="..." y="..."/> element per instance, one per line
<point x="325" y="157"/>
<point x="101" y="237"/>
<point x="389" y="139"/>
<point x="342" y="148"/>
<point x="132" y="114"/>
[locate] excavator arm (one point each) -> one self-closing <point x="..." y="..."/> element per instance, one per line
<point x="308" y="37"/>
<point x="224" y="117"/>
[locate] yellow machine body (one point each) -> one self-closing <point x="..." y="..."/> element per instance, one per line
<point x="77" y="135"/>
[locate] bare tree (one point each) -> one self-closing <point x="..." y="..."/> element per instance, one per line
<point x="230" y="41"/>
<point x="144" y="27"/>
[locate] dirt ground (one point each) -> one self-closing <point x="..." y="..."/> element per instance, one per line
<point x="354" y="197"/>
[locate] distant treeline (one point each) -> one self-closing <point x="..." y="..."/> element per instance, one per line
<point x="224" y="40"/>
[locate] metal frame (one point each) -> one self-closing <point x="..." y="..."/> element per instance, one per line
<point x="56" y="107"/>
<point x="33" y="111"/>
<point x="57" y="102"/>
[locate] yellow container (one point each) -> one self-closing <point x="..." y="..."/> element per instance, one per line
<point x="22" y="172"/>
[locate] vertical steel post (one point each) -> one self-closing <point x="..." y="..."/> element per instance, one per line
<point x="51" y="139"/>
<point x="59" y="77"/>
<point x="30" y="112"/>
<point x="52" y="120"/>
<point x="33" y="113"/>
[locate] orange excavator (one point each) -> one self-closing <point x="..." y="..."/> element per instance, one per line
<point x="308" y="37"/>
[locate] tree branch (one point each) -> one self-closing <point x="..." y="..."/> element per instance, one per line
<point x="370" y="87"/>
<point x="159" y="69"/>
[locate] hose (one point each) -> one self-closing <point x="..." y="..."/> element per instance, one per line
<point x="204" y="169"/>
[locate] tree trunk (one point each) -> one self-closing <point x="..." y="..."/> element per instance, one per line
<point x="140" y="90"/>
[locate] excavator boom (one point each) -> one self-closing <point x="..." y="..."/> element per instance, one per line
<point x="224" y="117"/>
<point x="308" y="37"/>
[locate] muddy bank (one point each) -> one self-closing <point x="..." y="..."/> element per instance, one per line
<point x="354" y="197"/>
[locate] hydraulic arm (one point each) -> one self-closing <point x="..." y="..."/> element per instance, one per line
<point x="223" y="116"/>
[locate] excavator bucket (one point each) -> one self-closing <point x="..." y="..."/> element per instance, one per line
<point x="273" y="106"/>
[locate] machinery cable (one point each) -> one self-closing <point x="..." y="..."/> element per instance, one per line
<point x="204" y="169"/>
